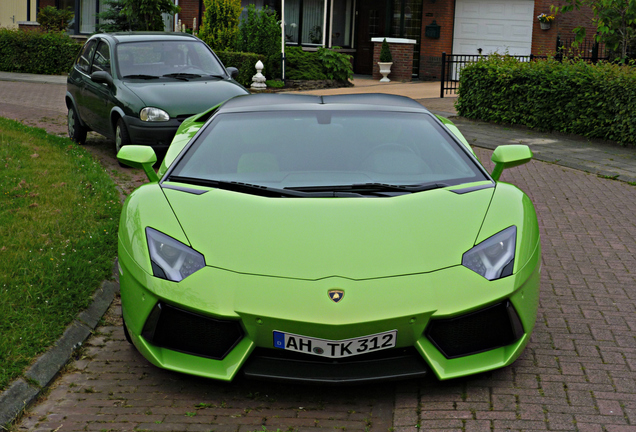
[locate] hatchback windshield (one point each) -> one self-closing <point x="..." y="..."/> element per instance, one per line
<point x="326" y="148"/>
<point x="146" y="60"/>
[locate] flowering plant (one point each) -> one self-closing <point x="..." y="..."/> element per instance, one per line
<point x="545" y="18"/>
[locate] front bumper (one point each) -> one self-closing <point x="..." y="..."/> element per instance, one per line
<point x="260" y="305"/>
<point x="158" y="135"/>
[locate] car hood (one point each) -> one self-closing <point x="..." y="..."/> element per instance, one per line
<point x="314" y="238"/>
<point x="179" y="98"/>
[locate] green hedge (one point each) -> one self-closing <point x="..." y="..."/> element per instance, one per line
<point x="244" y="62"/>
<point x="34" y="52"/>
<point x="321" y="65"/>
<point x="596" y="101"/>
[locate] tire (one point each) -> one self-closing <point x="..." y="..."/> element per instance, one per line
<point x="121" y="138"/>
<point x="126" y="333"/>
<point x="76" y="132"/>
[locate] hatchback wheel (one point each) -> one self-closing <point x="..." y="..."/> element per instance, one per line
<point x="121" y="138"/>
<point x="76" y="131"/>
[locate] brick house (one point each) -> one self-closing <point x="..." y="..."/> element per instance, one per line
<point x="465" y="26"/>
<point x="431" y="26"/>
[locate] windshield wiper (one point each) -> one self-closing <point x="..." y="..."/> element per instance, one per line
<point x="248" y="188"/>
<point x="216" y="76"/>
<point x="142" y="76"/>
<point x="182" y="76"/>
<point x="372" y="188"/>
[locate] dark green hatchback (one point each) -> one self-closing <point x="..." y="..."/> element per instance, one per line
<point x="137" y="87"/>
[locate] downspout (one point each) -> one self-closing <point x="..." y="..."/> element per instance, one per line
<point x="324" y="25"/>
<point x="176" y="17"/>
<point x="282" y="24"/>
<point x="331" y="26"/>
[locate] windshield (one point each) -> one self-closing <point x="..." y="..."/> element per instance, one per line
<point x="146" y="60"/>
<point x="327" y="148"/>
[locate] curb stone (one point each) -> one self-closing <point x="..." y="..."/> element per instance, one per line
<point x="22" y="392"/>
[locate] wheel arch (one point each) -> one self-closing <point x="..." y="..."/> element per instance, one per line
<point x="70" y="102"/>
<point x="115" y="114"/>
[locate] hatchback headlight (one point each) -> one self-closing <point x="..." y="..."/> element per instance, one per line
<point x="171" y="259"/>
<point x="150" y="114"/>
<point x="493" y="258"/>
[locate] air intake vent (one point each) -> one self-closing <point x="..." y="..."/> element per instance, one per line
<point x="190" y="333"/>
<point x="475" y="332"/>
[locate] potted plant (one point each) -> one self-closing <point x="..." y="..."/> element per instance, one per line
<point x="386" y="60"/>
<point x="545" y="20"/>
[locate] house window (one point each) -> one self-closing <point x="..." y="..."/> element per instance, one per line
<point x="85" y="10"/>
<point x="341" y="23"/>
<point x="304" y="21"/>
<point x="292" y="20"/>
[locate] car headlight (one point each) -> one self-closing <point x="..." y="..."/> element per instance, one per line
<point x="493" y="258"/>
<point x="150" y="114"/>
<point x="171" y="259"/>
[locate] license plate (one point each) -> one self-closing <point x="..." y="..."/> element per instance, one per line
<point x="335" y="348"/>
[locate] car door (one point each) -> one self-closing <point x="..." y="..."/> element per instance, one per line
<point x="99" y="97"/>
<point x="79" y="77"/>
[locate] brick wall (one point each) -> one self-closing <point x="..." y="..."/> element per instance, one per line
<point x="189" y="11"/>
<point x="443" y="12"/>
<point x="402" y="68"/>
<point x="544" y="41"/>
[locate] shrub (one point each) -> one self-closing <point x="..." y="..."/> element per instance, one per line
<point x="260" y="33"/>
<point x="302" y="65"/>
<point x="385" y="53"/>
<point x="337" y="66"/>
<point x="596" y="101"/>
<point x="323" y="64"/>
<point x="220" y="26"/>
<point x="35" y="52"/>
<point x="54" y="19"/>
<point x="244" y="62"/>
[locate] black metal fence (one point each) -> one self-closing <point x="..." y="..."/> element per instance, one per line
<point x="588" y="49"/>
<point x="452" y="64"/>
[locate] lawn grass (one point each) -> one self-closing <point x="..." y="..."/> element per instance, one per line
<point x="59" y="212"/>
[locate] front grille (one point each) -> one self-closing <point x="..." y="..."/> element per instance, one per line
<point x="486" y="329"/>
<point x="388" y="365"/>
<point x="190" y="333"/>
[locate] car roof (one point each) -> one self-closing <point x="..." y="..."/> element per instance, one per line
<point x="120" y="37"/>
<point x="279" y="102"/>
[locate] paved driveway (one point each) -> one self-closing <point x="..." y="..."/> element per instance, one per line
<point x="577" y="373"/>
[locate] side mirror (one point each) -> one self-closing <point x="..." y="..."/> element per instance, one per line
<point x="233" y="72"/>
<point x="508" y="156"/>
<point x="139" y="157"/>
<point x="102" y="77"/>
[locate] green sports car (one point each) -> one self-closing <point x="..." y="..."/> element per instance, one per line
<point x="327" y="239"/>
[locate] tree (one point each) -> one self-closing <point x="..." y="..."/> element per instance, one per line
<point x="111" y="19"/>
<point x="220" y="26"/>
<point x="54" y="19"/>
<point x="615" y="22"/>
<point x="144" y="15"/>
<point x="260" y="33"/>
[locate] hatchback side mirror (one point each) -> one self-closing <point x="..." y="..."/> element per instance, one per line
<point x="508" y="156"/>
<point x="139" y="157"/>
<point x="102" y="77"/>
<point x="233" y="72"/>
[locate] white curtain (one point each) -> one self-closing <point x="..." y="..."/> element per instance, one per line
<point x="292" y="10"/>
<point x="88" y="9"/>
<point x="313" y="11"/>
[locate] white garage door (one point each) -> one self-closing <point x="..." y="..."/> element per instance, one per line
<point x="493" y="26"/>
